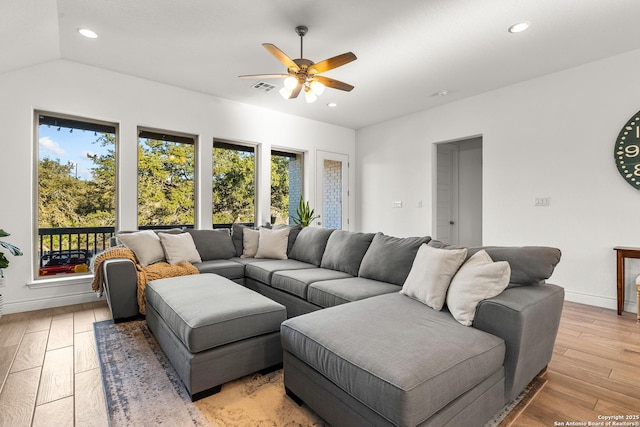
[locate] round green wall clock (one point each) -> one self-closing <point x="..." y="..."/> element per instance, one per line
<point x="627" y="151"/>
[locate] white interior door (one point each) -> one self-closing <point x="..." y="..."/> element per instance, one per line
<point x="447" y="197"/>
<point x="332" y="190"/>
<point x="458" y="189"/>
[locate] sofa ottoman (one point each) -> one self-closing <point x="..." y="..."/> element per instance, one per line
<point x="213" y="330"/>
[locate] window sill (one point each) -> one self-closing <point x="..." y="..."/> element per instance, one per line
<point x="60" y="281"/>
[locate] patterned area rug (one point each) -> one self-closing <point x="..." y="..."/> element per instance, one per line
<point x="142" y="389"/>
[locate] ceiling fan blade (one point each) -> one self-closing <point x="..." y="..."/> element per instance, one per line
<point x="296" y="91"/>
<point x="331" y="63"/>
<point x="281" y="56"/>
<point x="335" y="84"/>
<point x="264" y="76"/>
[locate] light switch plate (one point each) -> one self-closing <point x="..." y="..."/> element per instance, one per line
<point x="542" y="201"/>
<point x="396" y="204"/>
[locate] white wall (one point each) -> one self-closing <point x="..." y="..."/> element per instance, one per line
<point x="552" y="136"/>
<point x="71" y="88"/>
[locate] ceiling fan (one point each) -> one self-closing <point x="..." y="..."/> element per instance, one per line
<point x="303" y="73"/>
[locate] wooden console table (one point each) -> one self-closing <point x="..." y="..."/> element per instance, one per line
<point x="623" y="252"/>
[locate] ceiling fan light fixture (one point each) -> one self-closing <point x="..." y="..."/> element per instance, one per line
<point x="290" y="83"/>
<point x="317" y="87"/>
<point x="309" y="95"/>
<point x="302" y="73"/>
<point x="286" y="93"/>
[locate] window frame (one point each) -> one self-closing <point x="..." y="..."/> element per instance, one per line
<point x="62" y="119"/>
<point x="233" y="145"/>
<point x="288" y="152"/>
<point x="170" y="136"/>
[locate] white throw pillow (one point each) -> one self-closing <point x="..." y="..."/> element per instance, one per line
<point x="431" y="273"/>
<point x="145" y="245"/>
<point x="478" y="279"/>
<point x="179" y="247"/>
<point x="273" y="243"/>
<point x="250" y="239"/>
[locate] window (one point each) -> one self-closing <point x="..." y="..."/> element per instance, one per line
<point x="76" y="192"/>
<point x="166" y="180"/>
<point x="286" y="185"/>
<point x="234" y="184"/>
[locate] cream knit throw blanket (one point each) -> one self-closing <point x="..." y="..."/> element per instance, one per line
<point x="159" y="270"/>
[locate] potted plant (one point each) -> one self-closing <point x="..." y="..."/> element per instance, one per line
<point x="14" y="250"/>
<point x="305" y="214"/>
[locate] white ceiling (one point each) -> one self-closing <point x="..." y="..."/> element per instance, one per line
<point x="408" y="50"/>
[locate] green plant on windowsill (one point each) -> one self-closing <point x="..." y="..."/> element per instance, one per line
<point x="305" y="215"/>
<point x="14" y="250"/>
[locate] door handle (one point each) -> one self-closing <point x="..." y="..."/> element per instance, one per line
<point x="451" y="222"/>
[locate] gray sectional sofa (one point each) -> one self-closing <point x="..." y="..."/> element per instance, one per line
<point x="360" y="353"/>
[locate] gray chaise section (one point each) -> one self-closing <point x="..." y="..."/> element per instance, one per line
<point x="339" y="375"/>
<point x="374" y="350"/>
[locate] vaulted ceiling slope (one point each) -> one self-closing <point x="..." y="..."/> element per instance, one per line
<point x="408" y="51"/>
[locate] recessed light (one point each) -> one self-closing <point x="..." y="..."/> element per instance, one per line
<point x="519" y="27"/>
<point x="332" y="105"/>
<point x="443" y="92"/>
<point x="88" y="33"/>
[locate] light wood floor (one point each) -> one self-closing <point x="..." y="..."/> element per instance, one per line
<point x="50" y="376"/>
<point x="49" y="372"/>
<point x="595" y="369"/>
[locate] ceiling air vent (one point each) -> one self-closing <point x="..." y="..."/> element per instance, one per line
<point x="263" y="87"/>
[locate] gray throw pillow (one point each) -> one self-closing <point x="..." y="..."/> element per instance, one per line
<point x="310" y="245"/>
<point x="530" y="265"/>
<point x="236" y="236"/>
<point x="345" y="250"/>
<point x="389" y="259"/>
<point x="213" y="244"/>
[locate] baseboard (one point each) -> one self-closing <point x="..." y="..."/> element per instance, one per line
<point x="50" y="302"/>
<point x="599" y="301"/>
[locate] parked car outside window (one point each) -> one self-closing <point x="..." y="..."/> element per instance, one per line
<point x="65" y="262"/>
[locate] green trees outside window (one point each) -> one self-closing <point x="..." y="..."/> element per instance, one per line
<point x="71" y="194"/>
<point x="286" y="185"/>
<point x="234" y="183"/>
<point x="166" y="180"/>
